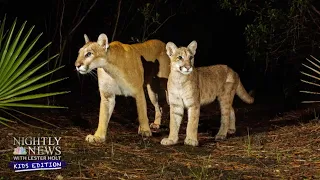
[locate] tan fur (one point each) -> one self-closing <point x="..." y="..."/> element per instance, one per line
<point x="190" y="87"/>
<point x="120" y="72"/>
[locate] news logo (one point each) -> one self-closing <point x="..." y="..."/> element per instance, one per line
<point x="36" y="153"/>
<point x="19" y="151"/>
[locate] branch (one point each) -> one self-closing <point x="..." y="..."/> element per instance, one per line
<point x="125" y="24"/>
<point x="161" y="25"/>
<point x="54" y="34"/>
<point x="80" y="21"/>
<point x="179" y="5"/>
<point x="77" y="12"/>
<point x="315" y="22"/>
<point x="129" y="23"/>
<point x="61" y="22"/>
<point x="117" y="20"/>
<point x="315" y="10"/>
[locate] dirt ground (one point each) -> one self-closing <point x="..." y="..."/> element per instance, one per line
<point x="267" y="145"/>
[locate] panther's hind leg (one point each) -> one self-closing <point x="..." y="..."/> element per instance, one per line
<point x="232" y="122"/>
<point x="153" y="96"/>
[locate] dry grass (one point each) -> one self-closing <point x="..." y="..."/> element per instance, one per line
<point x="274" y="152"/>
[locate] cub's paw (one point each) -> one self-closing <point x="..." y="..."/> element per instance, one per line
<point x="94" y="139"/>
<point x="220" y="137"/>
<point x="154" y="126"/>
<point x="191" y="142"/>
<point x="231" y="131"/>
<point x="167" y="142"/>
<point x="144" y="132"/>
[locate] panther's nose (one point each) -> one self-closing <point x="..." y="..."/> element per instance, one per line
<point x="77" y="64"/>
<point x="188" y="67"/>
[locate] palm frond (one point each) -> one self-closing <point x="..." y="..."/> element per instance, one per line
<point x="313" y="62"/>
<point x="19" y="75"/>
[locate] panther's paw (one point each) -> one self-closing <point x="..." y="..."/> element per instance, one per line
<point x="144" y="132"/>
<point x="167" y="142"/>
<point x="231" y="131"/>
<point x="155" y="126"/>
<point x="220" y="137"/>
<point x="191" y="142"/>
<point x="94" y="139"/>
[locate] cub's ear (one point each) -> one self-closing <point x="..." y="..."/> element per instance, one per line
<point x="86" y="38"/>
<point x="171" y="48"/>
<point x="193" y="47"/>
<point x="103" y="41"/>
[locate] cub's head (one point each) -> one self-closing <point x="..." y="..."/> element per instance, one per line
<point x="92" y="54"/>
<point x="182" y="58"/>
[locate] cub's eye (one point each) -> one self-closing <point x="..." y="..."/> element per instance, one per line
<point x="179" y="57"/>
<point x="191" y="57"/>
<point x="88" y="54"/>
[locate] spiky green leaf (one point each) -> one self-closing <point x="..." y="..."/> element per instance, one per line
<point x="34" y="96"/>
<point x="14" y="90"/>
<point x="29" y="105"/>
<point x="17" y="72"/>
<point x="24" y="76"/>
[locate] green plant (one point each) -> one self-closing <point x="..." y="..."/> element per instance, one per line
<point x="202" y="172"/>
<point x="150" y="15"/>
<point x="278" y="155"/>
<point x="18" y="78"/>
<point x="281" y="32"/>
<point x="313" y="77"/>
<point x="316" y="115"/>
<point x="248" y="143"/>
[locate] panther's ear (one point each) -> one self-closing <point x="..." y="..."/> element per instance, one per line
<point x="193" y="47"/>
<point x="103" y="41"/>
<point x="171" y="48"/>
<point x="86" y="38"/>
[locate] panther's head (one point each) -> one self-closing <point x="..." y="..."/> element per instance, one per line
<point x="92" y="54"/>
<point x="182" y="58"/>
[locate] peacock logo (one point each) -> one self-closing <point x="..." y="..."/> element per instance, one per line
<point x="19" y="151"/>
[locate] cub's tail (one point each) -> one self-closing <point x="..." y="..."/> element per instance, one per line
<point x="243" y="94"/>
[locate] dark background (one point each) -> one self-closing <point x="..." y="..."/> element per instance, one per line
<point x="219" y="34"/>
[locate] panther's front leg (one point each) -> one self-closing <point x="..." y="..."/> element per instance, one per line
<point x="192" y="127"/>
<point x="176" y="116"/>
<point x="107" y="104"/>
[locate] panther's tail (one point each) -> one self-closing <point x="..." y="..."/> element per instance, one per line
<point x="244" y="95"/>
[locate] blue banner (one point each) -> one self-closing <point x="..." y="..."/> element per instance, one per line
<point x="20" y="166"/>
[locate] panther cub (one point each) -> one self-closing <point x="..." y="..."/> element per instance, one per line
<point x="190" y="87"/>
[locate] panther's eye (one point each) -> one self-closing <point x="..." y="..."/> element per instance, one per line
<point x="88" y="54"/>
<point x="179" y="57"/>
